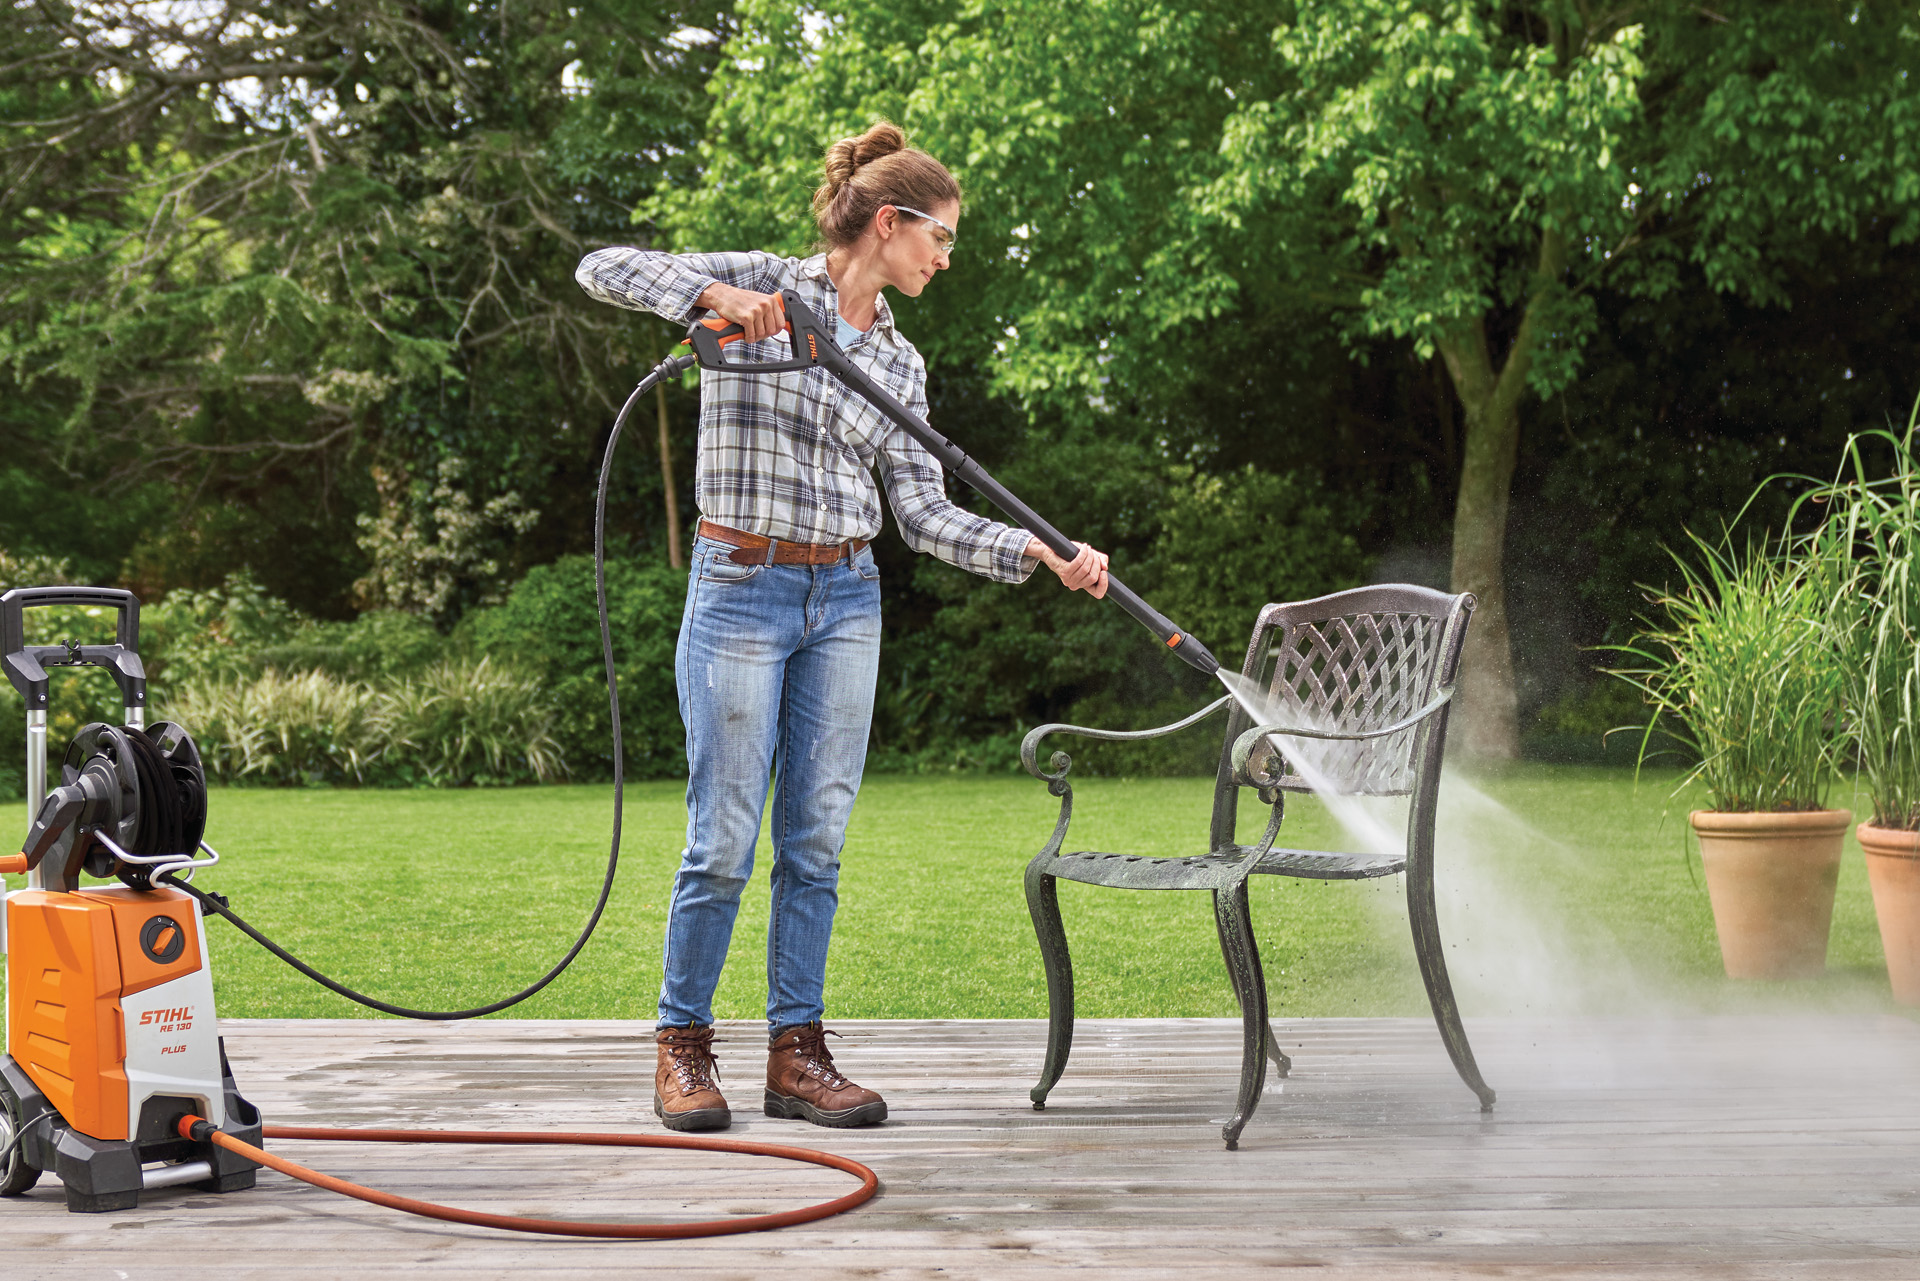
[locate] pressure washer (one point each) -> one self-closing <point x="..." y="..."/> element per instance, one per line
<point x="116" y="1079"/>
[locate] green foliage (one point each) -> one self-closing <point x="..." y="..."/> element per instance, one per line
<point x="253" y="256"/>
<point x="1230" y="544"/>
<point x="1743" y="662"/>
<point x="548" y="627"/>
<point x="1868" y="551"/>
<point x="1406" y="167"/>
<point x="461" y="722"/>
<point x="380" y="647"/>
<point x="433" y="552"/>
<point x="222" y="632"/>
<point x="274" y="697"/>
<point x="1216" y="189"/>
<point x="1600" y="722"/>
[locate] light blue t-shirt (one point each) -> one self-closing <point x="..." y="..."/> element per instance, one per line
<point x="845" y="334"/>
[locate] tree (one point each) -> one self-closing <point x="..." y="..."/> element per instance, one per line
<point x="1458" y="174"/>
<point x="259" y="251"/>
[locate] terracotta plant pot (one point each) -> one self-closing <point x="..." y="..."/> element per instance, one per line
<point x="1893" y="869"/>
<point x="1771" y="878"/>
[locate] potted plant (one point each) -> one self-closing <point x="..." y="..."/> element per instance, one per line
<point x="1742" y="672"/>
<point x="1869" y="545"/>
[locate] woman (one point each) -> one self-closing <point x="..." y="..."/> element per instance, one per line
<point x="780" y="641"/>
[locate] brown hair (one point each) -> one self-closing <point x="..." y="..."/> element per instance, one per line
<point x="877" y="168"/>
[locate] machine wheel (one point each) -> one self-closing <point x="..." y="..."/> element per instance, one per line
<point x="16" y="1176"/>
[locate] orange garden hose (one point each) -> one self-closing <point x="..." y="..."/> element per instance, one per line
<point x="200" y="1131"/>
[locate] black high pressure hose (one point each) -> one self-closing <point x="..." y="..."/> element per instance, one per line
<point x="671" y="367"/>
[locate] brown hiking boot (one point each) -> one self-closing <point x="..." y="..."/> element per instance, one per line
<point x="684" y="1095"/>
<point x="802" y="1082"/>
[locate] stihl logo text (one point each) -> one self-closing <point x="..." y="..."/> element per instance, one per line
<point x="168" y="1020"/>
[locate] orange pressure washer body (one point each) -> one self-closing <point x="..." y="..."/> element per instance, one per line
<point x="112" y="1037"/>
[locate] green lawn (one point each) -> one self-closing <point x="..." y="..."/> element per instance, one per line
<point x="1577" y="896"/>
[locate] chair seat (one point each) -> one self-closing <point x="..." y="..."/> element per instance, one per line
<point x="1216" y="870"/>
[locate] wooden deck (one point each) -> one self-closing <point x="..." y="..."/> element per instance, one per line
<point x="1734" y="1147"/>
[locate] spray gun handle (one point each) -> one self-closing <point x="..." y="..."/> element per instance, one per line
<point x="806" y="337"/>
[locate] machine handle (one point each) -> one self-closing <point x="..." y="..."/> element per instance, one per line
<point x="14" y="865"/>
<point x="24" y="663"/>
<point x="13" y="633"/>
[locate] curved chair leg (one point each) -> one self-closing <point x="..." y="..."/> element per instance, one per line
<point x="1243" y="966"/>
<point x="1043" y="905"/>
<point x="1433" y="968"/>
<point x="1281" y="1063"/>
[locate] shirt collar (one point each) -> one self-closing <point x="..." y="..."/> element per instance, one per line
<point x="816" y="268"/>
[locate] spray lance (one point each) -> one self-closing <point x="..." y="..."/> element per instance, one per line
<point x="811" y="344"/>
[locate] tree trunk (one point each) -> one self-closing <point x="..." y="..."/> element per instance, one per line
<point x="1486" y="705"/>
<point x="666" y="480"/>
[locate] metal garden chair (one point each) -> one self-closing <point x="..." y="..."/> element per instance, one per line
<point x="1359" y="682"/>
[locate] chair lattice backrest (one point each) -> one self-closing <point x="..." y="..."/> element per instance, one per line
<point x="1354" y="661"/>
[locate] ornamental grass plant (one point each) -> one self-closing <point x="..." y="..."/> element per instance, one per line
<point x="1867" y="551"/>
<point x="461" y="722"/>
<point x="1738" y="666"/>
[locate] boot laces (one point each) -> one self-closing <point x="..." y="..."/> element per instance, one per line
<point x="692" y="1057"/>
<point x="811" y="1044"/>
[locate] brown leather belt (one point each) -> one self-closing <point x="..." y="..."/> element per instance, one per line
<point x="751" y="549"/>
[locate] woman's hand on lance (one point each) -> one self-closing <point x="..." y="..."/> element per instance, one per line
<point x="1086" y="572"/>
<point x="761" y="315"/>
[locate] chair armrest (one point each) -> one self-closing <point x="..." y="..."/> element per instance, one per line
<point x="1243" y="746"/>
<point x="1061" y="762"/>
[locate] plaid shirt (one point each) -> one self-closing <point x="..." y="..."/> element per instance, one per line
<point x="788" y="456"/>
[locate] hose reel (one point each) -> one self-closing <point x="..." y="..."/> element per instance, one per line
<point x="128" y="799"/>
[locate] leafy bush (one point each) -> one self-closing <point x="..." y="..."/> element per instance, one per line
<point x="382" y="645"/>
<point x="222" y="632"/>
<point x="461" y="722"/>
<point x="549" y="628"/>
<point x="1579" y="728"/>
<point x="299" y="729"/>
<point x="274" y="697"/>
<point x="467" y="721"/>
<point x="433" y="551"/>
<point x="1231" y="544"/>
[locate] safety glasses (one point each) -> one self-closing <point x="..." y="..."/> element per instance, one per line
<point x="946" y="245"/>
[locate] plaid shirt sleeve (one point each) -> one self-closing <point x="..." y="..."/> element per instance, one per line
<point x="788" y="455"/>
<point x="933" y="523"/>
<point x="670" y="285"/>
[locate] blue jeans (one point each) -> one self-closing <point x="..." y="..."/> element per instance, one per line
<point x="776" y="668"/>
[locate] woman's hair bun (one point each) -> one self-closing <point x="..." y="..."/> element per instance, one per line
<point x="845" y="157"/>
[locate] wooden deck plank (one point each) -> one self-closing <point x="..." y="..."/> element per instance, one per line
<point x="1728" y="1147"/>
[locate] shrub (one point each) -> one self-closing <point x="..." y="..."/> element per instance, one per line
<point x="299" y="729"/>
<point x="461" y="722"/>
<point x="466" y="721"/>
<point x="380" y="646"/>
<point x="548" y="627"/>
<point x="1232" y="543"/>
<point x="215" y="634"/>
